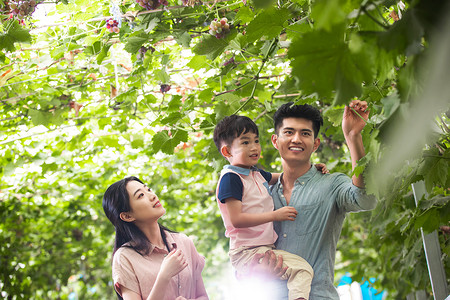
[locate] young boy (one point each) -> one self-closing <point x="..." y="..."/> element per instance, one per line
<point x="247" y="206"/>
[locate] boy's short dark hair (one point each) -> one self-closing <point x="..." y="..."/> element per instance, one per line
<point x="305" y="111"/>
<point x="231" y="127"/>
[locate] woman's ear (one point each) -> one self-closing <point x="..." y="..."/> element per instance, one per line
<point x="126" y="216"/>
<point x="225" y="151"/>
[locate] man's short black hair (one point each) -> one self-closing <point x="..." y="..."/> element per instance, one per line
<point x="231" y="127"/>
<point x="305" y="111"/>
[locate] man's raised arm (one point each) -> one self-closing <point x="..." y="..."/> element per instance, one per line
<point x="353" y="122"/>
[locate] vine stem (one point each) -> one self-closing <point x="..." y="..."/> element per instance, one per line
<point x="365" y="121"/>
<point x="374" y="19"/>
<point x="256" y="78"/>
<point x="252" y="95"/>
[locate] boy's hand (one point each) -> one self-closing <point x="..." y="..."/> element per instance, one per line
<point x="286" y="213"/>
<point x="322" y="168"/>
<point x="352" y="123"/>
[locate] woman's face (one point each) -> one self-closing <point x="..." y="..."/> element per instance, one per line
<point x="145" y="205"/>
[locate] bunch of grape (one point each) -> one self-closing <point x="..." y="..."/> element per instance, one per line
<point x="112" y="25"/>
<point x="230" y="61"/>
<point x="219" y="28"/>
<point x="164" y="88"/>
<point x="152" y="4"/>
<point x="22" y="8"/>
<point x="143" y="50"/>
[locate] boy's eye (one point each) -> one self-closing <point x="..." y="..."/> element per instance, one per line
<point x="149" y="189"/>
<point x="245" y="143"/>
<point x="140" y="195"/>
<point x="257" y="141"/>
<point x="307" y="133"/>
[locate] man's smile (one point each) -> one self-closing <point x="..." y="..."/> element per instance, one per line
<point x="296" y="149"/>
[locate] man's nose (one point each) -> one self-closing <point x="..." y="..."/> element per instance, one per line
<point x="296" y="137"/>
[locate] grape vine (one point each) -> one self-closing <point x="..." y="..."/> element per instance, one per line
<point x="22" y="9"/>
<point x="219" y="28"/>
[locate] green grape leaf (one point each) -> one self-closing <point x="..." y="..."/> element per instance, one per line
<point x="324" y="64"/>
<point x="268" y="24"/>
<point x="327" y="13"/>
<point x="135" y="41"/>
<point x="13" y="33"/>
<point x="210" y="46"/>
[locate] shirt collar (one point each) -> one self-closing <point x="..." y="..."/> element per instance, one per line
<point x="239" y="170"/>
<point x="304" y="178"/>
<point x="170" y="242"/>
<point x="308" y="175"/>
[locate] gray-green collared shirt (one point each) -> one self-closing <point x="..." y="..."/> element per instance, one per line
<point x="322" y="201"/>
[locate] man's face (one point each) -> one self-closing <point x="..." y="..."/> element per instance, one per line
<point x="295" y="140"/>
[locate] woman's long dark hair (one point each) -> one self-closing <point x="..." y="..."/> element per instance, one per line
<point x="116" y="201"/>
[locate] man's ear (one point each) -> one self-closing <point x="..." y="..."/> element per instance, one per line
<point x="225" y="151"/>
<point x="126" y="216"/>
<point x="274" y="140"/>
<point x="316" y="143"/>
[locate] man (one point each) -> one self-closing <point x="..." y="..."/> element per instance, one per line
<point x="322" y="200"/>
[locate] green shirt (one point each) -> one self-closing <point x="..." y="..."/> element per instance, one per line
<point x="322" y="201"/>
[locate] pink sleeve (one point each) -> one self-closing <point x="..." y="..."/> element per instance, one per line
<point x="123" y="272"/>
<point x="198" y="262"/>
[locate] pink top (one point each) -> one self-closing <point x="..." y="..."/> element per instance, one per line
<point x="138" y="273"/>
<point x="255" y="199"/>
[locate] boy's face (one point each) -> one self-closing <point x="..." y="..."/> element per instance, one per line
<point x="295" y="140"/>
<point x="245" y="150"/>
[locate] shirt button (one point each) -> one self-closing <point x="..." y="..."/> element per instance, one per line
<point x="165" y="255"/>
<point x="303" y="182"/>
<point x="284" y="235"/>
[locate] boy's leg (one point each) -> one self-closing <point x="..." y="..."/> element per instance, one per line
<point x="242" y="257"/>
<point x="242" y="260"/>
<point x="299" y="275"/>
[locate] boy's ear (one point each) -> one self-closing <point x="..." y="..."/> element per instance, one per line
<point x="126" y="216"/>
<point x="225" y="151"/>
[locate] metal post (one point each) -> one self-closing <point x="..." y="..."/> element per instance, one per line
<point x="432" y="252"/>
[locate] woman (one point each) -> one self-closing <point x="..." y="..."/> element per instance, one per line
<point x="149" y="261"/>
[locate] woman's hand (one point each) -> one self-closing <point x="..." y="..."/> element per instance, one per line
<point x="173" y="264"/>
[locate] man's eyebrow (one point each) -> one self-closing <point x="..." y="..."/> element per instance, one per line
<point x="291" y="128"/>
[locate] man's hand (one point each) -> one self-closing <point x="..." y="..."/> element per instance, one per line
<point x="267" y="265"/>
<point x="355" y="117"/>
